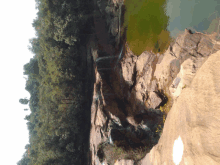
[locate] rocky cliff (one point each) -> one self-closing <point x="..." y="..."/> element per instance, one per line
<point x="194" y="119"/>
<point x="137" y="94"/>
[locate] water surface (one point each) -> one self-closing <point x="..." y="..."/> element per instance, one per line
<point x="153" y="24"/>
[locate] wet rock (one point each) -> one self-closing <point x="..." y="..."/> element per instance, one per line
<point x="114" y="26"/>
<point x="174" y="68"/>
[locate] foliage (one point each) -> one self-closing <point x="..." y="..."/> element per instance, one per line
<point x="112" y="153"/>
<point x="24" y="161"/>
<point x="57" y="130"/>
<point x="163" y="109"/>
<point x="23" y="101"/>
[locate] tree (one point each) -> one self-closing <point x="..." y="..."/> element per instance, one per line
<point x="24" y="101"/>
<point x="57" y="69"/>
<point x="25" y="160"/>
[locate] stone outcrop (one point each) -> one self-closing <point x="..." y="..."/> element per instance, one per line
<point x="194" y="118"/>
<point x="130" y="90"/>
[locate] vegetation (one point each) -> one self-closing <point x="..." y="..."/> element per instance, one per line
<point x="58" y="131"/>
<point x="159" y="128"/>
<point x="129" y="143"/>
<point x="184" y="86"/>
<point x="111" y="153"/>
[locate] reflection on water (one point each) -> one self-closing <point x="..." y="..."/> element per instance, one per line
<point x="146" y="24"/>
<point x="196" y="15"/>
<point x="152" y="24"/>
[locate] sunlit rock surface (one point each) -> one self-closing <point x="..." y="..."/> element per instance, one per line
<point x="195" y="117"/>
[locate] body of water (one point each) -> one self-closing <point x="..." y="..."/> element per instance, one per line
<point x="153" y="24"/>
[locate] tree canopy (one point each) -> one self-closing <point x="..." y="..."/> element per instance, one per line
<point x="56" y="72"/>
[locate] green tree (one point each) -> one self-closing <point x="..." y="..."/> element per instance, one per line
<point x="24" y="101"/>
<point x="25" y="160"/>
<point x="55" y="70"/>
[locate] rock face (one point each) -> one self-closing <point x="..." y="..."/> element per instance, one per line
<point x="130" y="90"/>
<point x="194" y="118"/>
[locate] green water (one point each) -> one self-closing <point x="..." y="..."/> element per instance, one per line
<point x="146" y="23"/>
<point x="153" y="24"/>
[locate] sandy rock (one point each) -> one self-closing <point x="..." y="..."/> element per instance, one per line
<point x="124" y="162"/>
<point x="154" y="100"/>
<point x="194" y="118"/>
<point x="162" y="72"/>
<point x="146" y="58"/>
<point x="145" y="160"/>
<point x="187" y="72"/>
<point x="144" y="81"/>
<point x="128" y="69"/>
<point x="153" y="86"/>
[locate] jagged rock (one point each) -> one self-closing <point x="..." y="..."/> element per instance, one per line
<point x="185" y="76"/>
<point x="153" y="86"/>
<point x="144" y="61"/>
<point x="174" y="68"/>
<point x="187" y="53"/>
<point x="128" y="69"/>
<point x="205" y="46"/>
<point x="132" y="120"/>
<point x="154" y="100"/>
<point x="194" y="118"/>
<point x="162" y="72"/>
